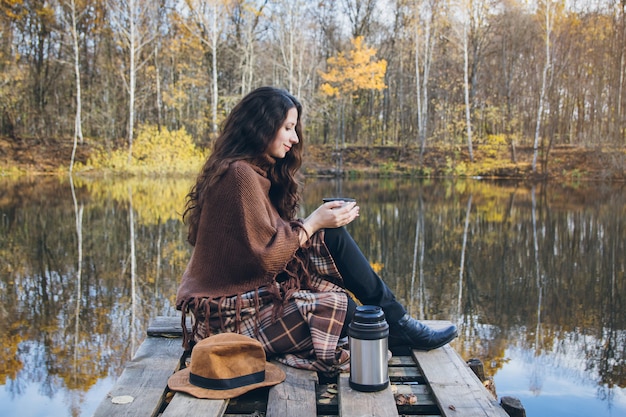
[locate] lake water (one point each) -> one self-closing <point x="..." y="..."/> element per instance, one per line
<point x="533" y="276"/>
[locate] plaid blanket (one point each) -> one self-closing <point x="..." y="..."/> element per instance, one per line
<point x="306" y="333"/>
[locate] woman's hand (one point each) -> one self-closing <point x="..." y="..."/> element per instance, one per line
<point x="329" y="215"/>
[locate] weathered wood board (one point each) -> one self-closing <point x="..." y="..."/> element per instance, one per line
<point x="144" y="380"/>
<point x="353" y="403"/>
<point x="184" y="405"/>
<point x="295" y="396"/>
<point x="439" y="382"/>
<point x="458" y="392"/>
<point x="167" y="326"/>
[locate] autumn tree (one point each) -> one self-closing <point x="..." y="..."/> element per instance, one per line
<point x="185" y="80"/>
<point x="549" y="9"/>
<point x="513" y="36"/>
<point x="207" y="24"/>
<point x="351" y="73"/>
<point x="11" y="78"/>
<point x="620" y="57"/>
<point x="35" y="37"/>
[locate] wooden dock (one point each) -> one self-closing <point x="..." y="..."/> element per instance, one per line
<point x="435" y="383"/>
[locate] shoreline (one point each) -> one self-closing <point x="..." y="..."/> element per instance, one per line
<point x="34" y="157"/>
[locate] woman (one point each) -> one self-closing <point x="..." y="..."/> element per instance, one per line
<point x="257" y="270"/>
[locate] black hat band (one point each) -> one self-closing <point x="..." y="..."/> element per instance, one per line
<point x="229" y="383"/>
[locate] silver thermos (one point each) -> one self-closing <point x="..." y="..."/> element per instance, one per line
<point x="368" y="333"/>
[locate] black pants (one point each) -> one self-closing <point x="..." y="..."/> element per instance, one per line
<point x="359" y="277"/>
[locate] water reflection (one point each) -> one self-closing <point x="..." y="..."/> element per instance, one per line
<point x="534" y="276"/>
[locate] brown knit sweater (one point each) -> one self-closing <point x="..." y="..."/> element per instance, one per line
<point x="242" y="242"/>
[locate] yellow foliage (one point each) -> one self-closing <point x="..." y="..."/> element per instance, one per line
<point x="329" y="90"/>
<point x="377" y="266"/>
<point x="353" y="71"/>
<point x="154" y="152"/>
<point x="499" y="139"/>
<point x="163" y="148"/>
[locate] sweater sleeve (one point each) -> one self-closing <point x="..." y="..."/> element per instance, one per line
<point x="271" y="240"/>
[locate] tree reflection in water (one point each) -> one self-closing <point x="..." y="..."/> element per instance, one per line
<point x="533" y="275"/>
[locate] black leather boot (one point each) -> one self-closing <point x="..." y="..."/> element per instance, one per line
<point x="410" y="333"/>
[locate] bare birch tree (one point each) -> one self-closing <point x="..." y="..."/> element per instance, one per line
<point x="425" y="34"/>
<point x="466" y="82"/>
<point x="156" y="54"/>
<point x="248" y="25"/>
<point x="474" y="38"/>
<point x="207" y="18"/>
<point x="289" y="19"/>
<point x="548" y="11"/>
<point x="70" y="9"/>
<point x="465" y="16"/>
<point x="134" y="22"/>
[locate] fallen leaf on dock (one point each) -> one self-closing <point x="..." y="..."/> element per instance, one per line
<point x="122" y="399"/>
<point x="405" y="399"/>
<point x="168" y="396"/>
<point x="327" y="396"/>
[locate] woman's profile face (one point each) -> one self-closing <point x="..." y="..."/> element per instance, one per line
<point x="285" y="137"/>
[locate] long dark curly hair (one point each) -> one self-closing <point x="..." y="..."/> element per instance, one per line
<point x="245" y="135"/>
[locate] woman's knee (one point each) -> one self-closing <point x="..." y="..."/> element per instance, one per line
<point x="335" y="237"/>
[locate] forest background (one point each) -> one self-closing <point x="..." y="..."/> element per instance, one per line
<point x="507" y="88"/>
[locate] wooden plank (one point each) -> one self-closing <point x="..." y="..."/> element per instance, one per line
<point x="404" y="369"/>
<point x="354" y="403"/>
<point x="184" y="405"/>
<point x="144" y="379"/>
<point x="401" y="361"/>
<point x="400" y="374"/>
<point x="167" y="326"/>
<point x="416" y="389"/>
<point x="295" y="396"/>
<point x="457" y="390"/>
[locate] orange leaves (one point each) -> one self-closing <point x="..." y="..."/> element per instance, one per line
<point x="354" y="70"/>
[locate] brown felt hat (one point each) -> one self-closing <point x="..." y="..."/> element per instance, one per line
<point x="226" y="365"/>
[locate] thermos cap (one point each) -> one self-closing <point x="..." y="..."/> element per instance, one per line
<point x="369" y="314"/>
<point x="368" y="323"/>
